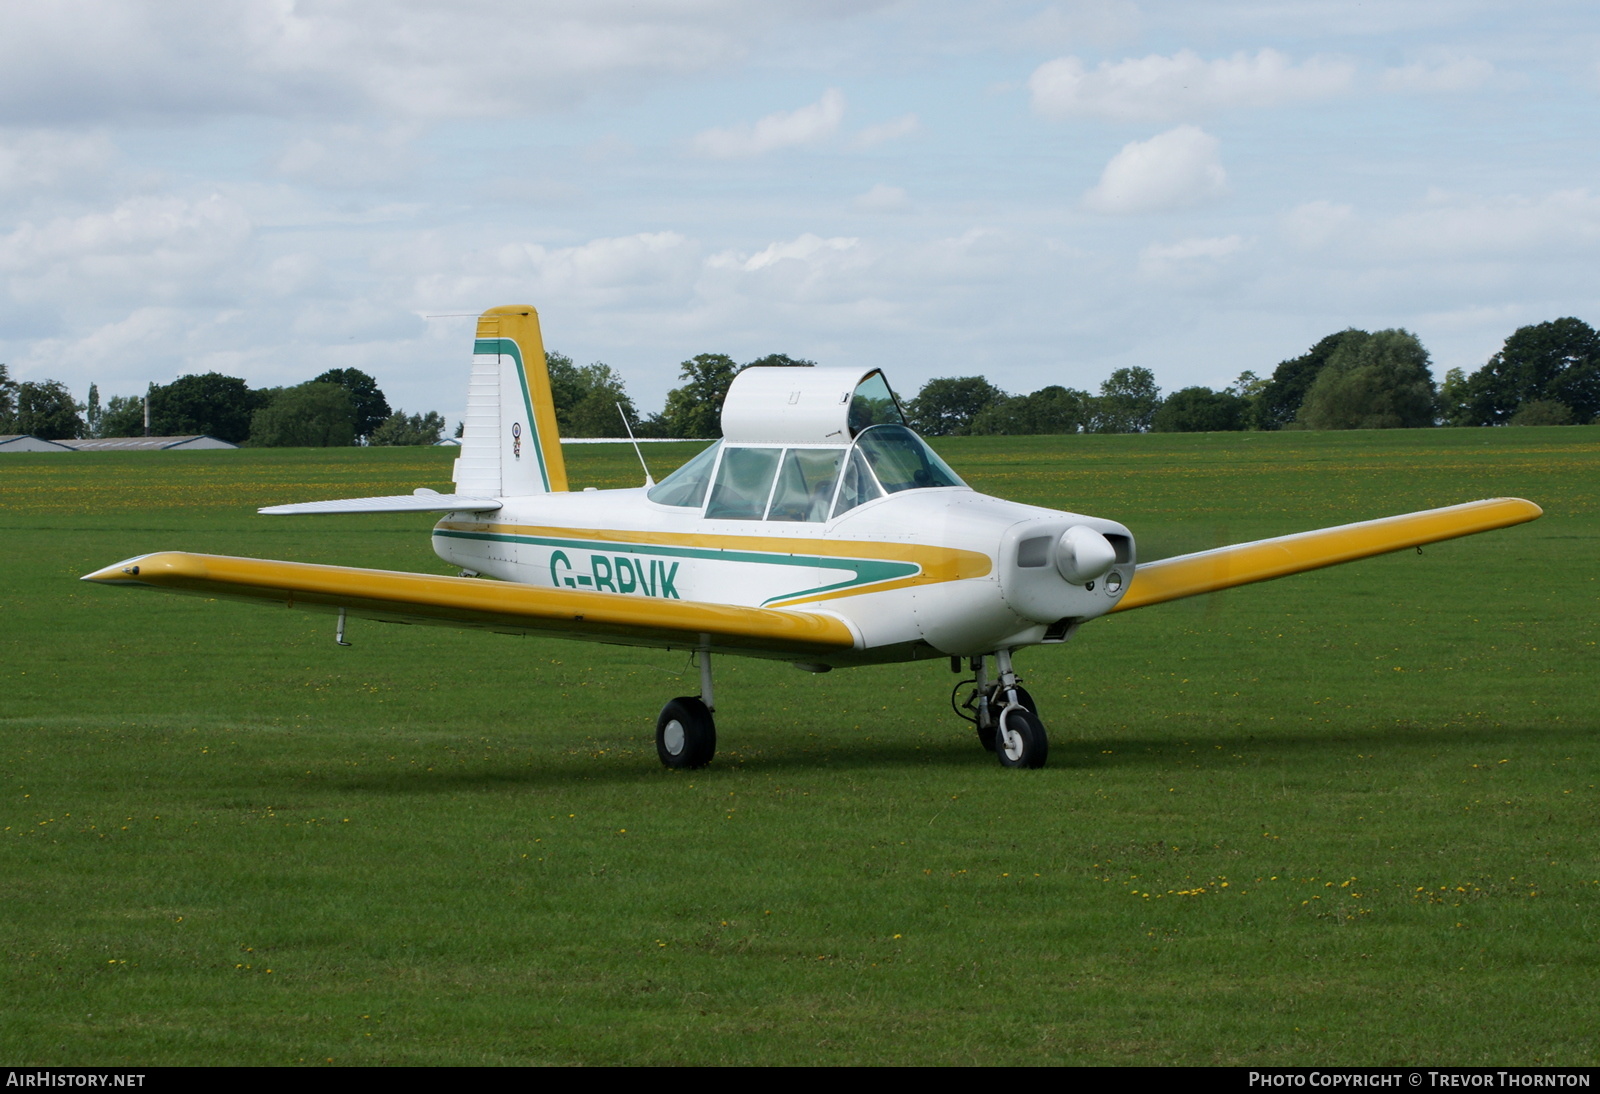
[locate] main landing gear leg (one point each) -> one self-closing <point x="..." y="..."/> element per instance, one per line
<point x="686" y="734"/>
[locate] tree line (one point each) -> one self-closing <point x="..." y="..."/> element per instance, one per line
<point x="342" y="406"/>
<point x="1544" y="374"/>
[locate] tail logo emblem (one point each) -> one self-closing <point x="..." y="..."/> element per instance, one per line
<point x="516" y="439"/>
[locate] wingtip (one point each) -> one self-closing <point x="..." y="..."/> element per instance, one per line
<point x="117" y="573"/>
<point x="1526" y="510"/>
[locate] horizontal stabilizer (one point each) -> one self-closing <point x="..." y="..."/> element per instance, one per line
<point x="428" y="502"/>
<point x="493" y="605"/>
<point x="1265" y="559"/>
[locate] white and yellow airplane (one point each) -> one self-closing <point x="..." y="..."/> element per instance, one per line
<point x="820" y="530"/>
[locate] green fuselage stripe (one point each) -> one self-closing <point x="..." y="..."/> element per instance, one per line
<point x="868" y="571"/>
<point x="508" y="347"/>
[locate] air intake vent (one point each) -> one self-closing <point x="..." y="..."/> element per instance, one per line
<point x="1034" y="552"/>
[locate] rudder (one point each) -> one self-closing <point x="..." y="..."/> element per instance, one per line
<point x="510" y="445"/>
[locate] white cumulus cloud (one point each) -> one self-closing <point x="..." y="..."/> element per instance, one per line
<point x="803" y="248"/>
<point x="785" y="129"/>
<point x="1164" y="259"/>
<point x="33" y="161"/>
<point x="874" y="135"/>
<point x="419" y="59"/>
<point x="1446" y="74"/>
<point x="146" y="248"/>
<point x="1171" y="170"/>
<point x="1184" y="85"/>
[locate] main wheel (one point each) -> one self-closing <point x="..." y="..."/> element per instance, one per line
<point x="1021" y="741"/>
<point x="997" y="703"/>
<point x="686" y="735"/>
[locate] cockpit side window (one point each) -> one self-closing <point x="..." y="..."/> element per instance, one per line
<point x="687" y="485"/>
<point x="873" y="404"/>
<point x="902" y="460"/>
<point x="744" y="480"/>
<point x="805" y="484"/>
<point x="856" y="485"/>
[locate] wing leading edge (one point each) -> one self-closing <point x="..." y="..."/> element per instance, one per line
<point x="493" y="605"/>
<point x="1265" y="559"/>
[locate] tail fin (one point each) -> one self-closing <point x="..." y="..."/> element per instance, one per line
<point x="510" y="445"/>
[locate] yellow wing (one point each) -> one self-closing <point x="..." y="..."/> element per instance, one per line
<point x="1265" y="559"/>
<point x="492" y="605"/>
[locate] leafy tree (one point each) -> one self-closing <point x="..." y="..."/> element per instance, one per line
<point x="1201" y="410"/>
<point x="1278" y="401"/>
<point x="213" y="404"/>
<point x="779" y="360"/>
<point x="948" y="406"/>
<point x="400" y="429"/>
<point x="92" y="413"/>
<point x="1542" y="412"/>
<point x="695" y="409"/>
<point x="1053" y="409"/>
<point x="8" y="401"/>
<point x="1248" y="386"/>
<point x="45" y="408"/>
<point x="123" y="417"/>
<point x="586" y="397"/>
<point x="1127" y="402"/>
<point x="1381" y="381"/>
<point x="1559" y="360"/>
<point x="371" y="408"/>
<point x="312" y="415"/>
<point x="1455" y="399"/>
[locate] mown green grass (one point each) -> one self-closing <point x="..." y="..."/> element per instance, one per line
<point x="1349" y="817"/>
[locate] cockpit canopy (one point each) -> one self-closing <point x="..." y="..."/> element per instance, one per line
<point x="806" y="405"/>
<point x="804" y="448"/>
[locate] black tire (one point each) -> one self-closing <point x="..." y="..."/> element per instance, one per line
<point x="1021" y="741"/>
<point x="997" y="703"/>
<point x="686" y="734"/>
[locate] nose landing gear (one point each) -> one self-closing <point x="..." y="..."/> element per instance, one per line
<point x="1004" y="713"/>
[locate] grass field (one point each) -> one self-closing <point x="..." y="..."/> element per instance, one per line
<point x="1348" y="817"/>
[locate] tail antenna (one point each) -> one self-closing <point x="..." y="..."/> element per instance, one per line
<point x="648" y="481"/>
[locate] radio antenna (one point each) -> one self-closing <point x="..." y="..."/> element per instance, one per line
<point x="648" y="481"/>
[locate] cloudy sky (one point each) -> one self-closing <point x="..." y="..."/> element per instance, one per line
<point x="1036" y="192"/>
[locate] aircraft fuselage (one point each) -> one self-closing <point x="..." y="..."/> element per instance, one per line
<point x="921" y="573"/>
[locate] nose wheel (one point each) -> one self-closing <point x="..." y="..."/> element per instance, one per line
<point x="1004" y="714"/>
<point x="1021" y="741"/>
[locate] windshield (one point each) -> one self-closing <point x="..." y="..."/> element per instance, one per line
<point x="687" y="485"/>
<point x="901" y="460"/>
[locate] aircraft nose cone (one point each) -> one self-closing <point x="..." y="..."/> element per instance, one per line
<point x="1082" y="554"/>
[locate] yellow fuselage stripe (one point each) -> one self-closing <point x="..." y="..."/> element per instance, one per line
<point x="937" y="564"/>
